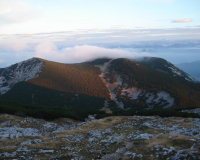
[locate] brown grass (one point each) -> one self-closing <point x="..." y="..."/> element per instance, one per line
<point x="6" y="117"/>
<point x="126" y="158"/>
<point x="162" y="139"/>
<point x="50" y="144"/>
<point x="72" y="78"/>
<point x="170" y="124"/>
<point x="94" y="125"/>
<point x="14" y="141"/>
<point x="8" y="149"/>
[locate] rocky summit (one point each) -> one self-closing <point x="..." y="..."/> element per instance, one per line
<point x="111" y="138"/>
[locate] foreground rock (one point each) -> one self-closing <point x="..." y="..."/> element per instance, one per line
<point x="111" y="138"/>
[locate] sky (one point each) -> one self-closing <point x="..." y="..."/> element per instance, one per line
<point x="67" y="30"/>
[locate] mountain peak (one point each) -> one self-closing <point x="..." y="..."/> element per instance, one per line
<point x="21" y="71"/>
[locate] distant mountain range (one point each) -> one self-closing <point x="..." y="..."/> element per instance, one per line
<point x="192" y="68"/>
<point x="103" y="83"/>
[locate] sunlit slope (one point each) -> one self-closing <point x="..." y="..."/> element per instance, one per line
<point x="80" y="78"/>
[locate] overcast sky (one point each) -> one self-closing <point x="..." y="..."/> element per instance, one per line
<point x="35" y="27"/>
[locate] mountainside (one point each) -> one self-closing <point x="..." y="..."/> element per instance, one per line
<point x="165" y="66"/>
<point x="22" y="71"/>
<point x="133" y="84"/>
<point x="102" y="83"/>
<point x="191" y="68"/>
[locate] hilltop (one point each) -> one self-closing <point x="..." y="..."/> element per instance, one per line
<point x="104" y="83"/>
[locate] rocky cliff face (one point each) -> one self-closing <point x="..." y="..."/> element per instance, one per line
<point x="22" y="71"/>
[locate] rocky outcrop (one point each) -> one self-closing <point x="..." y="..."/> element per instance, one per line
<point x="22" y="71"/>
<point x="136" y="137"/>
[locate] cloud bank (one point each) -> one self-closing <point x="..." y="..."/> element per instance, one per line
<point x="48" y="50"/>
<point x="15" y="45"/>
<point x="81" y="37"/>
<point x="182" y="20"/>
<point x="81" y="45"/>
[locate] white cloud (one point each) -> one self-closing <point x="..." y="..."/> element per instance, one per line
<point x="15" y="45"/>
<point x="15" y="11"/>
<point x="182" y="20"/>
<point x="49" y="51"/>
<point x="46" y="49"/>
<point x="85" y="52"/>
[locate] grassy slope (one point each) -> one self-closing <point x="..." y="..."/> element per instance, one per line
<point x="186" y="93"/>
<point x="72" y="78"/>
<point x="60" y="85"/>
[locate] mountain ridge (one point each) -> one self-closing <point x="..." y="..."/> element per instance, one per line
<point x="125" y="83"/>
